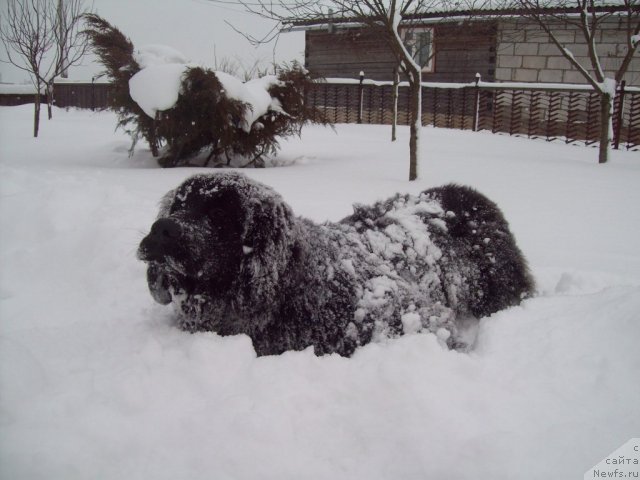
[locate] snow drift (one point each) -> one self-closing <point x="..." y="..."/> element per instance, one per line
<point x="97" y="382"/>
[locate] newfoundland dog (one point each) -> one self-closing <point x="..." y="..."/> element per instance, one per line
<point x="231" y="256"/>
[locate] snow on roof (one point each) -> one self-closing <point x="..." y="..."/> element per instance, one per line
<point x="74" y="81"/>
<point x="445" y="12"/>
<point x="14" y="89"/>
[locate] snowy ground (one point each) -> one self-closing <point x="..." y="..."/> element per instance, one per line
<point x="95" y="382"/>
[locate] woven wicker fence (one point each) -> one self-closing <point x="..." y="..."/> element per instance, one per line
<point x="569" y="113"/>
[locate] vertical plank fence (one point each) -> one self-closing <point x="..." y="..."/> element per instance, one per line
<point x="568" y="113"/>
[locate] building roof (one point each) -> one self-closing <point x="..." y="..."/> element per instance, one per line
<point x="490" y="9"/>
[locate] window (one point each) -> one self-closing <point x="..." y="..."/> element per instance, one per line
<point x="419" y="42"/>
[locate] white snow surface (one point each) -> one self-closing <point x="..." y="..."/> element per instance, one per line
<point x="97" y="382"/>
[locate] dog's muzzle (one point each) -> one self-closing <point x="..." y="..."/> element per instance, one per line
<point x="163" y="239"/>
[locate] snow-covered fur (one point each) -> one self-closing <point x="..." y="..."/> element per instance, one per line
<point x="232" y="257"/>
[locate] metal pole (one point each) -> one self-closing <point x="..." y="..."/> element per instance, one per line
<point x="361" y="96"/>
<point x="476" y="113"/>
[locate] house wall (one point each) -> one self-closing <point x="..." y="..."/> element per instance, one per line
<point x="526" y="54"/>
<point x="461" y="52"/>
<point x="343" y="53"/>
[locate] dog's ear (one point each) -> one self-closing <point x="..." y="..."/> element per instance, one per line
<point x="166" y="202"/>
<point x="267" y="245"/>
<point x="268" y="226"/>
<point x="208" y="196"/>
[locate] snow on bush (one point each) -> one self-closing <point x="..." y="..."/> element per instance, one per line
<point x="156" y="88"/>
<point x="183" y="110"/>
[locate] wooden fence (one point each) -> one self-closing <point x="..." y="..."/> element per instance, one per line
<point x="570" y="113"/>
<point x="82" y="95"/>
<point x="79" y="95"/>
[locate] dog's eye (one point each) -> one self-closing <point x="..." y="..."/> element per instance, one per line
<point x="218" y="218"/>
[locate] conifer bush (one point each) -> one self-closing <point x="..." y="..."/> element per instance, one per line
<point x="206" y="125"/>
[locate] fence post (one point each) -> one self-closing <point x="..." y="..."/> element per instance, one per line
<point x="93" y="93"/>
<point x="617" y="124"/>
<point x="476" y="112"/>
<point x="361" y="97"/>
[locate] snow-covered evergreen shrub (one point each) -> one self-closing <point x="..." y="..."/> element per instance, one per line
<point x="191" y="111"/>
<point x="115" y="51"/>
<point x="202" y="118"/>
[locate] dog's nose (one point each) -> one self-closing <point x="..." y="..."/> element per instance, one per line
<point x="166" y="229"/>
<point x="162" y="240"/>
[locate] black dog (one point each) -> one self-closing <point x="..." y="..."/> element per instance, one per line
<point x="232" y="257"/>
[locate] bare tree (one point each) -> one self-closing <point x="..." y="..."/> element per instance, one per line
<point x="389" y="18"/>
<point x="43" y="39"/>
<point x="27" y="38"/>
<point x="238" y="68"/>
<point x="70" y="42"/>
<point x="588" y="17"/>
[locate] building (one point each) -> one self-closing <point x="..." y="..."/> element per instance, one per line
<point x="500" y="45"/>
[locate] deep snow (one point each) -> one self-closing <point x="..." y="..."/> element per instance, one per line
<point x="96" y="382"/>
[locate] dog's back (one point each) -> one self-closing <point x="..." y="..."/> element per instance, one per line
<point x="477" y="230"/>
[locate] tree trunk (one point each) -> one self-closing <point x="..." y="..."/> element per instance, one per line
<point x="394" y="120"/>
<point x="153" y="139"/>
<point x="606" y="126"/>
<point x="49" y="92"/>
<point x="36" y="115"/>
<point x="415" y="90"/>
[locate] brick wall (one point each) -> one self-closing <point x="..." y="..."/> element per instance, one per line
<point x="526" y="54"/>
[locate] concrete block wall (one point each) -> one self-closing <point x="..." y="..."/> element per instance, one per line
<point x="525" y="52"/>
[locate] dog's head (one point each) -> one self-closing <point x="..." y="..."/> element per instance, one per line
<point x="221" y="237"/>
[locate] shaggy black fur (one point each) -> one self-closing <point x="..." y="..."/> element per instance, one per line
<point x="232" y="257"/>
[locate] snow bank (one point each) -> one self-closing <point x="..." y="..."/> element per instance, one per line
<point x="96" y="382"/>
